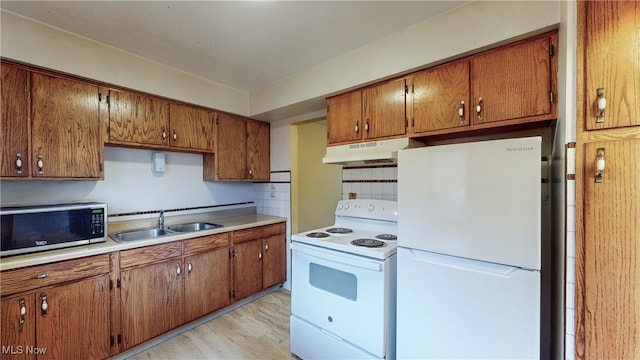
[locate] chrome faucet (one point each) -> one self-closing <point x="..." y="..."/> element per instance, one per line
<point x="161" y="220"/>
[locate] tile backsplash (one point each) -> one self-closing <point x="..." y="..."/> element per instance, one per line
<point x="370" y="182"/>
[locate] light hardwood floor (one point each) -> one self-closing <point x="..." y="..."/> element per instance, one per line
<point x="258" y="330"/>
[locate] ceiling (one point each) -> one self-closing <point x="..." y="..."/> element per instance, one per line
<point x="242" y="44"/>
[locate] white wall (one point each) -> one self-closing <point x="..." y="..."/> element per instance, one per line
<point x="131" y="186"/>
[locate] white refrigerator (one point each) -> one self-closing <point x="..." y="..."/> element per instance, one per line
<point x="469" y="250"/>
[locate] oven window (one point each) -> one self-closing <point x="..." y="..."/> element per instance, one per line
<point x="337" y="282"/>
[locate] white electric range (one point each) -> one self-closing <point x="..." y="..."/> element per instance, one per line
<point x="344" y="283"/>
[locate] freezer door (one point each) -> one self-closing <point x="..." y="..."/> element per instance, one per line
<point x="452" y="308"/>
<point x="477" y="200"/>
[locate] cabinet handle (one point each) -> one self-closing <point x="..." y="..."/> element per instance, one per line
<point x="357" y="127"/>
<point x="43" y="305"/>
<point x="259" y="255"/>
<point x="42" y="276"/>
<point x="164" y="134"/>
<point x="178" y="270"/>
<point x="40" y="164"/>
<point x="461" y="111"/>
<point x="266" y="247"/>
<point x="479" y="108"/>
<point x="366" y="126"/>
<point x="23" y="310"/>
<point x="189" y="267"/>
<point x="602" y="104"/>
<point x="175" y="136"/>
<point x="250" y="173"/>
<point x="19" y="163"/>
<point x="600" y="165"/>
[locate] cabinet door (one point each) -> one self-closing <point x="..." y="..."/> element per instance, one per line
<point x="206" y="287"/>
<point x="65" y="128"/>
<point x="274" y="261"/>
<point x="14" y="131"/>
<point x="612" y="251"/>
<point x="191" y="127"/>
<point x="135" y="118"/>
<point x="18" y="326"/>
<point x="440" y="97"/>
<point x="344" y="118"/>
<point x="384" y="110"/>
<point x="513" y="82"/>
<point x="232" y="148"/>
<point x="258" y="150"/>
<point x="612" y="63"/>
<point x="152" y="301"/>
<point x="247" y="268"/>
<point x="74" y="324"/>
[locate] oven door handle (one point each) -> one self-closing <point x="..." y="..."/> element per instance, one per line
<point x="331" y="255"/>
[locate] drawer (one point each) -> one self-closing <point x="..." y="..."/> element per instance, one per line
<point x="33" y="277"/>
<point x="205" y="243"/>
<point x="150" y="254"/>
<point x="257" y="232"/>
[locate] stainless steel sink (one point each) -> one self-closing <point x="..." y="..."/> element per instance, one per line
<point x="195" y="226"/>
<point x="151" y="233"/>
<point x="141" y="234"/>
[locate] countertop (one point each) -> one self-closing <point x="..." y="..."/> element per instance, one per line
<point x="230" y="223"/>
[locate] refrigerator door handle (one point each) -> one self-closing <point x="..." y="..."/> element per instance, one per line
<point x="464" y="264"/>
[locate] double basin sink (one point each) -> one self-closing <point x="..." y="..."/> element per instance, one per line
<point x="150" y="233"/>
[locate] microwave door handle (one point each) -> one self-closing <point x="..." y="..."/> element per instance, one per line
<point x="331" y="255"/>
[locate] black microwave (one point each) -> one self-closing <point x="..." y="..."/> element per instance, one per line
<point x="27" y="229"/>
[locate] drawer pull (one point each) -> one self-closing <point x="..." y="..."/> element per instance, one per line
<point x="42" y="276"/>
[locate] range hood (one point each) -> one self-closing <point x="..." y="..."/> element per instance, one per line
<point x="369" y="153"/>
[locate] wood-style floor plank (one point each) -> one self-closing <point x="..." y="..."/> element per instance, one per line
<point x="258" y="330"/>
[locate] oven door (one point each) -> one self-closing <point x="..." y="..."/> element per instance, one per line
<point x="344" y="294"/>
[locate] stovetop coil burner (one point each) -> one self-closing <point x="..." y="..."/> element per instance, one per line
<point x="339" y="230"/>
<point x="370" y="243"/>
<point x="387" y="237"/>
<point x="318" y="235"/>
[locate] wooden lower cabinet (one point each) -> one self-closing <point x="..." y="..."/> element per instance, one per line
<point x="247" y="269"/>
<point x="151" y="293"/>
<point x="69" y="321"/>
<point x="274" y="264"/>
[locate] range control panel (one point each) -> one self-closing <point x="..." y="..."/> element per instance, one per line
<point x="368" y="209"/>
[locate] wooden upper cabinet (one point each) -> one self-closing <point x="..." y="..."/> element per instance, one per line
<point x="612" y="63"/>
<point x="344" y="118"/>
<point x="65" y="128"/>
<point x="258" y="151"/>
<point x="192" y="128"/>
<point x="14" y="129"/>
<point x="440" y="97"/>
<point x="231" y="154"/>
<point x="138" y="119"/>
<point x="384" y="110"/>
<point x="515" y="82"/>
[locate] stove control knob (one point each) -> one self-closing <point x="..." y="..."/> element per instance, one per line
<point x="340" y="206"/>
<point x="371" y="207"/>
<point x="346" y="206"/>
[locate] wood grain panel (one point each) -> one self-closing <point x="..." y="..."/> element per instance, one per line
<point x="15" y="336"/>
<point x="191" y="127"/>
<point x="150" y="254"/>
<point x="137" y="118"/>
<point x="247" y="268"/>
<point x="612" y="251"/>
<point x="274" y="263"/>
<point x="612" y="52"/>
<point x="513" y="82"/>
<point x="152" y="301"/>
<point x="258" y="232"/>
<point x="206" y="243"/>
<point x="14" y="126"/>
<point x="24" y="279"/>
<point x="438" y="94"/>
<point x="384" y="109"/>
<point x="77" y="322"/>
<point x="65" y="128"/>
<point x="231" y="156"/>
<point x="344" y="118"/>
<point x="258" y="150"/>
<point x="206" y="286"/>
